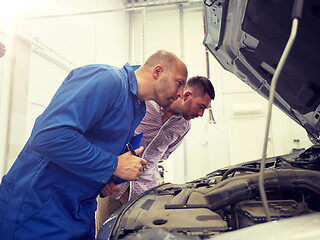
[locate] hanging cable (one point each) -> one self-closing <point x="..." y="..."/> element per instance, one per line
<point x="296" y="14"/>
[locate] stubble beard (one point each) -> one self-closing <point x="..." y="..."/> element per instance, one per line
<point x="160" y="95"/>
<point x="162" y="100"/>
<point x="185" y="115"/>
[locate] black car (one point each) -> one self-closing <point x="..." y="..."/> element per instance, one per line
<point x="248" y="38"/>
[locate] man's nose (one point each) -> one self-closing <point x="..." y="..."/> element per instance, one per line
<point x="180" y="92"/>
<point x="200" y="113"/>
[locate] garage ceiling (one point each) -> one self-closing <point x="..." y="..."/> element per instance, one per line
<point x="146" y="3"/>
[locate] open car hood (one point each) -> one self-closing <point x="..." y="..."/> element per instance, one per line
<point x="248" y="37"/>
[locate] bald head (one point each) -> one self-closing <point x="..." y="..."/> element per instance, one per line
<point x="168" y="60"/>
<point x="161" y="78"/>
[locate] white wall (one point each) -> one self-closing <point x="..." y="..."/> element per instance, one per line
<point x="50" y="40"/>
<point x="5" y="85"/>
<point x="241" y="119"/>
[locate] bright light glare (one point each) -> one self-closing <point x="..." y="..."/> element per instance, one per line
<point x="10" y="9"/>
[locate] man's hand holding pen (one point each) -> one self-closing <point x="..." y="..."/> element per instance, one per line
<point x="130" y="148"/>
<point x="129" y="164"/>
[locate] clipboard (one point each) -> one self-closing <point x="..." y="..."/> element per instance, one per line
<point x="135" y="143"/>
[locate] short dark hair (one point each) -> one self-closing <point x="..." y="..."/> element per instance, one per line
<point x="200" y="85"/>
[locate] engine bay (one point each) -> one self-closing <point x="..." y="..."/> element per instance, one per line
<point x="224" y="200"/>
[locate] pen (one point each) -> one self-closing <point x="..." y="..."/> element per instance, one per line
<point x="130" y="148"/>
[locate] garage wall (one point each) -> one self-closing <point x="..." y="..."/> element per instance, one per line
<point x="83" y="36"/>
<point x="14" y="85"/>
<point x="241" y="119"/>
<point x="48" y="41"/>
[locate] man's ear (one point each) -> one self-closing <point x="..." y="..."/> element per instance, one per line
<point x="187" y="94"/>
<point x="157" y="71"/>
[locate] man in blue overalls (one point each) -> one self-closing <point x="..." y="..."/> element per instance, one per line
<point x="78" y="143"/>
